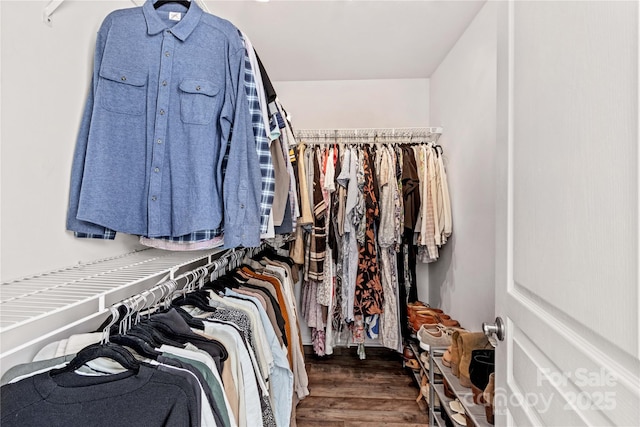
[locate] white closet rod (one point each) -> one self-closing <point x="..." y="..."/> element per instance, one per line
<point x="364" y="135"/>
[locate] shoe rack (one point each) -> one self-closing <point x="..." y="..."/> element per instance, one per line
<point x="475" y="413"/>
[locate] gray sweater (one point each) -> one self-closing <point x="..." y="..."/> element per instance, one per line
<point x="148" y="398"/>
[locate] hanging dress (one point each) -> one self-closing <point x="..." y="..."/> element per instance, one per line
<point x="369" y="295"/>
<point x="387" y="239"/>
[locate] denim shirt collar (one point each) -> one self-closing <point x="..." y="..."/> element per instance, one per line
<point x="181" y="30"/>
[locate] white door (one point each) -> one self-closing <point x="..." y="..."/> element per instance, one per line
<point x="568" y="205"/>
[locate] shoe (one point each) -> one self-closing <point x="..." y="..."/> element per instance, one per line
<point x="459" y="419"/>
<point x="424" y="356"/>
<point x="450" y="323"/>
<point x="413" y="364"/>
<point x="448" y="422"/>
<point x="481" y="366"/>
<point x="456" y="406"/>
<point x="411" y="310"/>
<point x="422" y="314"/>
<point x="422" y="318"/>
<point x="424" y="383"/>
<point x="408" y="353"/>
<point x="414" y="307"/>
<point x="470" y="341"/>
<point x="417" y="305"/>
<point x="430" y="335"/>
<point x="447" y="389"/>
<point x="446" y="358"/>
<point x="488" y="396"/>
<point x="456" y="344"/>
<point x="438" y="314"/>
<point x="424" y="392"/>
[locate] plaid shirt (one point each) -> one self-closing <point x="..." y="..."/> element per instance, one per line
<point x="107" y="235"/>
<point x="262" y="145"/>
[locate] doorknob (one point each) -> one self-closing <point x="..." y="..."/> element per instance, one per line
<point x="496" y="329"/>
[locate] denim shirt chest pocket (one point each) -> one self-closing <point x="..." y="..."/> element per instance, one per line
<point x="197" y="101"/>
<point x="123" y="92"/>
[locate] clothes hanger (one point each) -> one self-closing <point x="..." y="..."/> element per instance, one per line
<point x="148" y="329"/>
<point x="137" y="344"/>
<point x="191" y="321"/>
<point x="198" y="299"/>
<point x="221" y="283"/>
<point x="106" y="329"/>
<point x="146" y="334"/>
<point x="94" y="351"/>
<point x="125" y="322"/>
<point x="172" y="285"/>
<point x="185" y="3"/>
<point x="271" y="253"/>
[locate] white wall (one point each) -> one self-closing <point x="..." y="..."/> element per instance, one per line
<point x="338" y="104"/>
<point x="45" y="76"/>
<point x="463" y="102"/>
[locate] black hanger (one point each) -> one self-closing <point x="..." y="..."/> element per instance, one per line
<point x="220" y="284"/>
<point x="152" y="339"/>
<point x="160" y="336"/>
<point x="196" y="299"/>
<point x="94" y="351"/>
<point x="159" y="3"/>
<point x="191" y="337"/>
<point x="191" y="321"/>
<point x="270" y="253"/>
<point x="137" y="344"/>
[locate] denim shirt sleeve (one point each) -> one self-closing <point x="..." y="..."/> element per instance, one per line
<point x="77" y="170"/>
<point x="242" y="179"/>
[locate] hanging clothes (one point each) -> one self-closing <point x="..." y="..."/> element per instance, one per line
<point x="373" y="205"/>
<point x="388" y="242"/>
<point x="218" y="356"/>
<point x="368" y="295"/>
<point x="318" y="236"/>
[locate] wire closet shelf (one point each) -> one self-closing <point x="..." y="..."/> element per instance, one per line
<point x="39" y="309"/>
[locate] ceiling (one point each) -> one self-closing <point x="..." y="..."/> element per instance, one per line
<point x="350" y="40"/>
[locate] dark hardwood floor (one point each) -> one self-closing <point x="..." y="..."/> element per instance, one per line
<point x="349" y="392"/>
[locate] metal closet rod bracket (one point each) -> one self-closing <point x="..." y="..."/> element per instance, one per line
<point x="55" y="4"/>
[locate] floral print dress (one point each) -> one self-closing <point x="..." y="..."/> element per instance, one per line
<point x="369" y="294"/>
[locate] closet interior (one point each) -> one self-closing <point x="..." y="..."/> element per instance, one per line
<point x="268" y="187"/>
<point x="323" y="242"/>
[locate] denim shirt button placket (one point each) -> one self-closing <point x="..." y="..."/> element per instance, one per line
<point x="161" y="118"/>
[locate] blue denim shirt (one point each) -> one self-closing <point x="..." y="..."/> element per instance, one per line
<point x="167" y="100"/>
